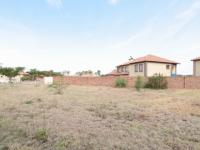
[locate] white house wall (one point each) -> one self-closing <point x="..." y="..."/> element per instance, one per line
<point x="158" y="68"/>
<point x="4" y="79"/>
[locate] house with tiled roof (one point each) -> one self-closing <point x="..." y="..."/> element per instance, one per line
<point x="148" y="65"/>
<point x="196" y="66"/>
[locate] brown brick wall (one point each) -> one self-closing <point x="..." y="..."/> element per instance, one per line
<point x="173" y="83"/>
<point x="95" y="81"/>
<point x="176" y="82"/>
<point x="193" y="82"/>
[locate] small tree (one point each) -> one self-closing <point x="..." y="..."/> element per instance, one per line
<point x="78" y="73"/>
<point x="34" y="73"/>
<point x="11" y="72"/>
<point x="139" y="83"/>
<point x="19" y="69"/>
<point x="66" y="73"/>
<point x="98" y="73"/>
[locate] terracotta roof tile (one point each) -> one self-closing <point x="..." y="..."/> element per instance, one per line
<point x="149" y="58"/>
<point x="115" y="73"/>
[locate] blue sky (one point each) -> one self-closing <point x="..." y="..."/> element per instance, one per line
<point x="80" y="35"/>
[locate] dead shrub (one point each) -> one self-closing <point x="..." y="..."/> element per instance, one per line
<point x="195" y="115"/>
<point x="130" y="116"/>
<point x="102" y="110"/>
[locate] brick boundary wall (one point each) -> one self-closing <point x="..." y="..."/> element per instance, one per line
<point x="193" y="82"/>
<point x="173" y="82"/>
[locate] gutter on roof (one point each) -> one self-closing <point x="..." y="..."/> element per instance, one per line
<point x="123" y="65"/>
<point x="195" y="59"/>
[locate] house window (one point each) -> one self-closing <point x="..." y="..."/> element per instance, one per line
<point x="123" y="69"/>
<point x="136" y="68"/>
<point x="141" y="67"/>
<point x="126" y="70"/>
<point x="167" y="67"/>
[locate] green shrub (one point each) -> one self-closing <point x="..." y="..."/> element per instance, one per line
<point x="139" y="83"/>
<point x="29" y="102"/>
<point x="120" y="82"/>
<point x="41" y="135"/>
<point x="26" y="78"/>
<point x="64" y="143"/>
<point x="157" y="82"/>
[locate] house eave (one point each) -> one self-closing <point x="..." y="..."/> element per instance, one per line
<point x="174" y="63"/>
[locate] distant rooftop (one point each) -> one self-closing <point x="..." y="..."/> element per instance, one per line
<point x="116" y="73"/>
<point x="149" y="58"/>
<point x="196" y="59"/>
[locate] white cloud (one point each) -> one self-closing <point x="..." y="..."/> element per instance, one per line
<point x="55" y="3"/>
<point x="162" y="32"/>
<point x="114" y="2"/>
<point x="182" y="19"/>
<point x="190" y="12"/>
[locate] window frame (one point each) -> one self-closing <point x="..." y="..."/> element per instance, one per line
<point x="136" y="67"/>
<point x="167" y="67"/>
<point x="126" y="69"/>
<point x="123" y="69"/>
<point x="141" y="67"/>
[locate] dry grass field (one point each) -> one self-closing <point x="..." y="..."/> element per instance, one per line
<point x="98" y="118"/>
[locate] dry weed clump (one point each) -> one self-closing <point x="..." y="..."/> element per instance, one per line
<point x="41" y="135"/>
<point x="99" y="111"/>
<point x="102" y="110"/>
<point x="64" y="142"/>
<point x="111" y="111"/>
<point x="58" y="87"/>
<point x="131" y="116"/>
<point x="29" y="102"/>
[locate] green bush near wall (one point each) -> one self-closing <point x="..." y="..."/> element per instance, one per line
<point x="26" y="78"/>
<point x="139" y="83"/>
<point x="120" y="82"/>
<point x="157" y="82"/>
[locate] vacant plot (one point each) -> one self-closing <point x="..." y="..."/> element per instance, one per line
<point x="77" y="118"/>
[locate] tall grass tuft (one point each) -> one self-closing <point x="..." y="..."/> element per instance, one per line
<point x="139" y="83"/>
